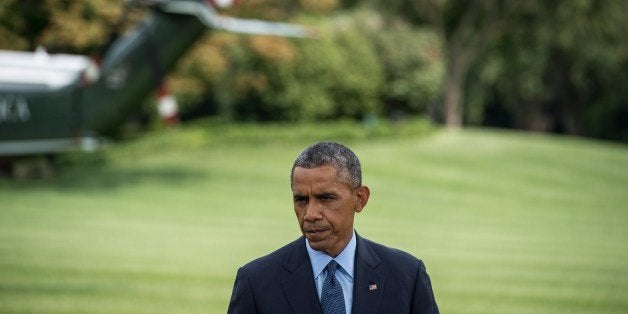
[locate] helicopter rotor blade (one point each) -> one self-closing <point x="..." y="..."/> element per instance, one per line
<point x="211" y="19"/>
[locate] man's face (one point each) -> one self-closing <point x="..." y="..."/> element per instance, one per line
<point x="325" y="205"/>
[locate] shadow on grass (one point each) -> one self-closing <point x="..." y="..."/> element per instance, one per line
<point x="95" y="171"/>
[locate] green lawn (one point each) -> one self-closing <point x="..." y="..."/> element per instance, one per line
<point x="506" y="222"/>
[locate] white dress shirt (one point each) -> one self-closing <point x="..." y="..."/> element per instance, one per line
<point x="344" y="273"/>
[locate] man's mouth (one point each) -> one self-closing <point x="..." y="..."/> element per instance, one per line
<point x="315" y="232"/>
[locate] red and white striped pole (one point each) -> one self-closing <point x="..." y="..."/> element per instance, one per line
<point x="91" y="73"/>
<point x="167" y="106"/>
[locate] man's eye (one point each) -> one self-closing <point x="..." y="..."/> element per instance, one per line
<point x="299" y="199"/>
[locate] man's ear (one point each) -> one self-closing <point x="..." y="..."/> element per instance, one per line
<point x="362" y="194"/>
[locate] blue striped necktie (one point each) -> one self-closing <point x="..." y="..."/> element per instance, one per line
<point x="332" y="299"/>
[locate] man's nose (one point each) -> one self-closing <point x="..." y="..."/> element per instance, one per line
<point x="312" y="212"/>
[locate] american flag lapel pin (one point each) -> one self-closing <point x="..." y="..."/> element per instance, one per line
<point x="372" y="286"/>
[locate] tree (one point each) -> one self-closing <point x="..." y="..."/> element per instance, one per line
<point x="466" y="27"/>
<point x="547" y="65"/>
<point x="555" y="68"/>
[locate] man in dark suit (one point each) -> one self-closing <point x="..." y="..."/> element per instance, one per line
<point x="331" y="269"/>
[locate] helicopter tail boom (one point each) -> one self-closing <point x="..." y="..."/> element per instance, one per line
<point x="208" y="16"/>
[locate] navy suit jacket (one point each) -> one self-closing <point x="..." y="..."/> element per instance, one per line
<point x="386" y="280"/>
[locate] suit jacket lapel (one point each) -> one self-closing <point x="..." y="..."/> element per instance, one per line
<point x="369" y="282"/>
<point x="299" y="286"/>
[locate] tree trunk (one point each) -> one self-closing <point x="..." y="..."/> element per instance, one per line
<point x="458" y="63"/>
<point x="463" y="42"/>
<point x="453" y="95"/>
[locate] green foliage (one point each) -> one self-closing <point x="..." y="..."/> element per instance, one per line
<point x="555" y="68"/>
<point x="537" y="65"/>
<point x="357" y="67"/>
<point x="20" y="31"/>
<point x="337" y="75"/>
<point x="71" y="26"/>
<point x="414" y="64"/>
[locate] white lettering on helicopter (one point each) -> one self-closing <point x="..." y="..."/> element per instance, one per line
<point x="14" y="109"/>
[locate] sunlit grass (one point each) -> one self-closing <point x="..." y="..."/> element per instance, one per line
<point x="506" y="222"/>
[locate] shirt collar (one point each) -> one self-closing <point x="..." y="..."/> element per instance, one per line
<point x="320" y="260"/>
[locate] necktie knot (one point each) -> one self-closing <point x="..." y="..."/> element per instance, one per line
<point x="331" y="267"/>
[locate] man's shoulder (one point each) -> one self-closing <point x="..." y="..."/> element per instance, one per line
<point x="406" y="275"/>
<point x="272" y="260"/>
<point x="393" y="256"/>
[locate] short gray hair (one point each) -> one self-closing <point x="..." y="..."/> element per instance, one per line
<point x="331" y="154"/>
